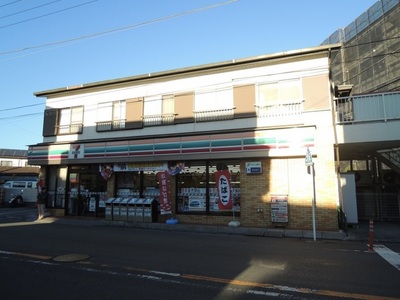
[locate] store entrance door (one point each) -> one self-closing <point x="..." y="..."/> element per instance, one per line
<point x="82" y="193"/>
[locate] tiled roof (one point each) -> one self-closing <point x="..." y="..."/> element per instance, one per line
<point x="19" y="170"/>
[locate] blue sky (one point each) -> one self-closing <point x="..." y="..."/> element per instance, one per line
<point x="48" y="44"/>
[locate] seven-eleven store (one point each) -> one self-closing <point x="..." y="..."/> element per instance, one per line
<point x="210" y="179"/>
<point x="209" y="144"/>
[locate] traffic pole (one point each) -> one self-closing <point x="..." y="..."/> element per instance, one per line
<point x="371" y="235"/>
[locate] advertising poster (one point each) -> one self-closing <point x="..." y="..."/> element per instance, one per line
<point x="106" y="171"/>
<point x="223" y="183"/>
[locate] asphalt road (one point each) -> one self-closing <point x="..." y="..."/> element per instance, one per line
<point x="61" y="260"/>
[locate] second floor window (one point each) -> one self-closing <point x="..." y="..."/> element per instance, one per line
<point x="279" y="98"/>
<point x="70" y="120"/>
<point x="111" y="115"/>
<point x="158" y="110"/>
<point x="213" y="104"/>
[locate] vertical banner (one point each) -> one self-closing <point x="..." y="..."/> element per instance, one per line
<point x="165" y="201"/>
<point x="223" y="183"/>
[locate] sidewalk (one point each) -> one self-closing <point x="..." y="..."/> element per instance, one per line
<point x="383" y="231"/>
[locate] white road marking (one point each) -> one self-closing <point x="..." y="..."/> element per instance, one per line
<point x="390" y="256"/>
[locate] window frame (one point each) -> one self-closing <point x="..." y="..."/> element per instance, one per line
<point x="214" y="104"/>
<point x="115" y="112"/>
<point x="287" y="98"/>
<point x="159" y="110"/>
<point x="71" y="122"/>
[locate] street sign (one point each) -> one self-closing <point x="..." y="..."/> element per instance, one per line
<point x="308" y="159"/>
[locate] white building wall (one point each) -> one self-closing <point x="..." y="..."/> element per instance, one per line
<point x="254" y="75"/>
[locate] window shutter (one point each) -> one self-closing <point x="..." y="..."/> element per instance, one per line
<point x="316" y="92"/>
<point x="134" y="113"/>
<point x="244" y="98"/>
<point x="184" y="108"/>
<point x="50" y="122"/>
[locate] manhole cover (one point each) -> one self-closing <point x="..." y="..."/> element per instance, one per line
<point x="71" y="257"/>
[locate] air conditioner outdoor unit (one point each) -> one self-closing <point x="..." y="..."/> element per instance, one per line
<point x="363" y="177"/>
<point x="389" y="177"/>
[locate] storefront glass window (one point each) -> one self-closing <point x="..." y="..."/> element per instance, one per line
<point x="197" y="190"/>
<point x="128" y="184"/>
<point x="191" y="188"/>
<point x="150" y="185"/>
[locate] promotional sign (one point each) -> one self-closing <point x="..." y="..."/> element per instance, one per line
<point x="223" y="183"/>
<point x="279" y="209"/>
<point x="106" y="171"/>
<point x="149" y="166"/>
<point x="165" y="201"/>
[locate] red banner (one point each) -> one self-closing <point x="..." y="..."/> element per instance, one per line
<point x="165" y="200"/>
<point x="223" y="182"/>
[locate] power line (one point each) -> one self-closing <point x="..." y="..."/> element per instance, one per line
<point x="20" y="107"/>
<point x="48" y="14"/>
<point x="98" y="34"/>
<point x="25" y="10"/>
<point x="9" y="3"/>
<point x="21" y="116"/>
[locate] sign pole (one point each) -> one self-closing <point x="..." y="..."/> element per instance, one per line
<point x="313" y="203"/>
<point x="309" y="163"/>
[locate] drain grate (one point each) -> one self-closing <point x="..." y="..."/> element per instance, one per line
<point x="71" y="257"/>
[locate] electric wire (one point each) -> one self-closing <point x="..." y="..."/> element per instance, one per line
<point x="20" y="107"/>
<point x="111" y="31"/>
<point x="3" y="5"/>
<point x="100" y="34"/>
<point x="29" y="9"/>
<point x="48" y="14"/>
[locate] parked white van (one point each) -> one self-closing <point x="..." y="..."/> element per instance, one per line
<point x="20" y="192"/>
<point x="20" y="184"/>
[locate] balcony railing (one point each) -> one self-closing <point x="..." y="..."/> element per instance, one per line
<point x="368" y="108"/>
<point x="280" y="110"/>
<point x="214" y="115"/>
<point x="70" y="129"/>
<point x="158" y="120"/>
<point x="110" y="125"/>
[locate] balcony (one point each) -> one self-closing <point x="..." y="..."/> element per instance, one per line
<point x="70" y="129"/>
<point x="158" y="120"/>
<point x="110" y="125"/>
<point x="214" y="115"/>
<point x="280" y="110"/>
<point x="368" y="108"/>
<point x="367" y="124"/>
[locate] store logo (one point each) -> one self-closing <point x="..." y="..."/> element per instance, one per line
<point x="76" y="151"/>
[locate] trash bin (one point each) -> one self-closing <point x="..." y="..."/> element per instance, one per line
<point x="116" y="209"/>
<point x="123" y="209"/>
<point x="131" y="209"/>
<point x="149" y="210"/>
<point x="139" y="210"/>
<point x="109" y="212"/>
